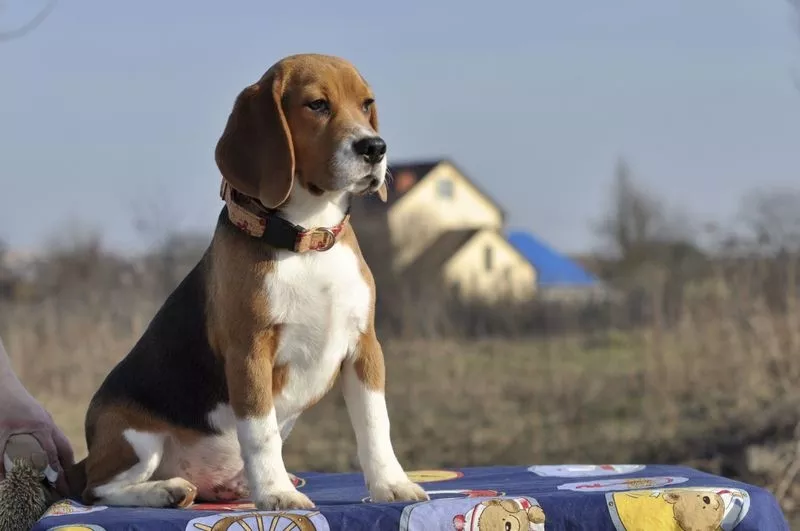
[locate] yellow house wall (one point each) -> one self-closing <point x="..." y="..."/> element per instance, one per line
<point x="421" y="215"/>
<point x="510" y="276"/>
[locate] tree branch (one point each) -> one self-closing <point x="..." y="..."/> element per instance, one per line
<point x="6" y="36"/>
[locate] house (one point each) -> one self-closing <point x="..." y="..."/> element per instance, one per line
<point x="17" y="263"/>
<point x="444" y="230"/>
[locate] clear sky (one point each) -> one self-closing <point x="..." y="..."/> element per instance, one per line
<point x="109" y="108"/>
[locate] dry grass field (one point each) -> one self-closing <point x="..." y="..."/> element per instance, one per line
<point x="716" y="389"/>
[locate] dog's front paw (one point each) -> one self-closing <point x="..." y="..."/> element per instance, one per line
<point x="283" y="501"/>
<point x="397" y="491"/>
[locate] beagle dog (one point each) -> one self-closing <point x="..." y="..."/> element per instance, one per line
<point x="279" y="306"/>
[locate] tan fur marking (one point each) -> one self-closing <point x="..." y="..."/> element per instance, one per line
<point x="237" y="307"/>
<point x="280" y="375"/>
<point x="239" y="322"/>
<point x="250" y="374"/>
<point x="369" y="363"/>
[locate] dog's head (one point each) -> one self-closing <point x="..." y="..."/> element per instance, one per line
<point x="310" y="121"/>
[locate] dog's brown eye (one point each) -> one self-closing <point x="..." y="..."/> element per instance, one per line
<point x="367" y="104"/>
<point x="320" y="106"/>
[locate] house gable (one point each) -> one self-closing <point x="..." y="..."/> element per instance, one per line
<point x="406" y="177"/>
<point x="487" y="267"/>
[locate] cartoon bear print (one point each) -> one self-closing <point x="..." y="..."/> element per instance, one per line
<point x="503" y="515"/>
<point x="697" y="511"/>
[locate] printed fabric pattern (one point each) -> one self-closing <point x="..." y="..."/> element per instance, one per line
<point x="536" y="498"/>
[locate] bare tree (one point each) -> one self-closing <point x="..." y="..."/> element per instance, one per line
<point x="170" y="253"/>
<point x="773" y="218"/>
<point x="654" y="248"/>
<point x="634" y="219"/>
<point x="35" y="22"/>
<point x="637" y="223"/>
<point x="75" y="261"/>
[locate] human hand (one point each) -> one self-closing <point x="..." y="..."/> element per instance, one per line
<point x="27" y="431"/>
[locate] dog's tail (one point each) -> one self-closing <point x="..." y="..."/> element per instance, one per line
<point x="76" y="478"/>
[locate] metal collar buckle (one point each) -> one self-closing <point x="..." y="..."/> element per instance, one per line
<point x="328" y="238"/>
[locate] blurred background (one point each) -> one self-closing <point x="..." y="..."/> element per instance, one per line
<point x="590" y="252"/>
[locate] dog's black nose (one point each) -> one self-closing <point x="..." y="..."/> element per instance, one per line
<point x="372" y="148"/>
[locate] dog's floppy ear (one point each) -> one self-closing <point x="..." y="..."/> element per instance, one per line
<point x="255" y="152"/>
<point x="373" y="121"/>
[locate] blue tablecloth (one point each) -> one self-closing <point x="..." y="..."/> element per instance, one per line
<point x="536" y="498"/>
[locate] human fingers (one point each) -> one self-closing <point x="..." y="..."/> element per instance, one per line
<point x="3" y="441"/>
<point x="51" y="468"/>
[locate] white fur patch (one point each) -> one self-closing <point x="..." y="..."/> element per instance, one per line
<point x="261" y="449"/>
<point x="132" y="487"/>
<point x="370" y="420"/>
<point x="322" y="303"/>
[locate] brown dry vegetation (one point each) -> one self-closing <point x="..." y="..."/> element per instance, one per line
<point x="705" y="388"/>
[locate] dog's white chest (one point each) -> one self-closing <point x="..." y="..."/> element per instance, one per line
<point x="321" y="301"/>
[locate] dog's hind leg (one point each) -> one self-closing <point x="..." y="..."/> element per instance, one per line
<point x="120" y="466"/>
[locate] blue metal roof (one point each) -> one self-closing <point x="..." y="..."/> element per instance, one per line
<point x="553" y="268"/>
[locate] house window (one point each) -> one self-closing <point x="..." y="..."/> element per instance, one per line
<point x="445" y="188"/>
<point x="487" y="258"/>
